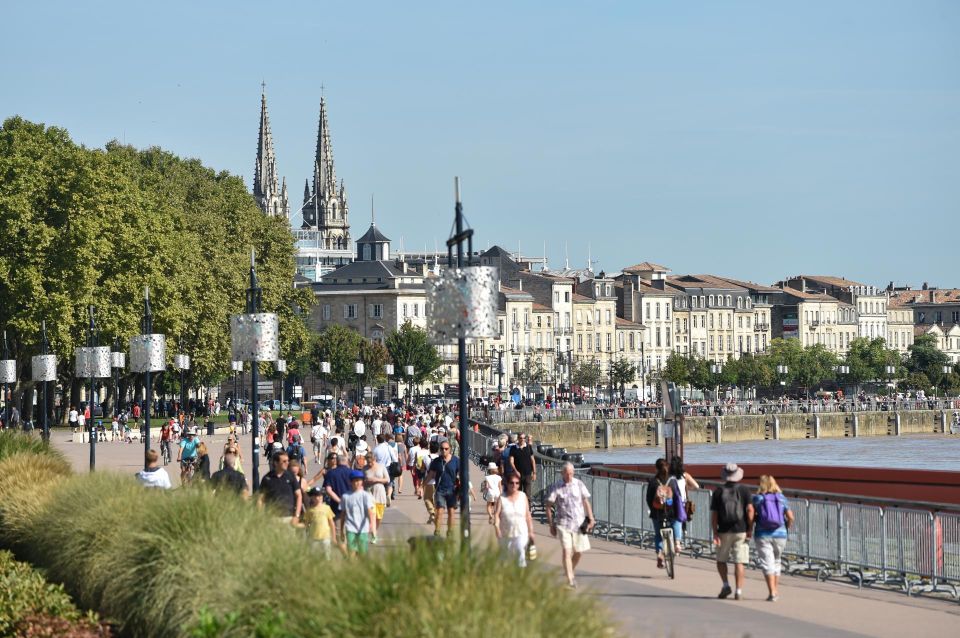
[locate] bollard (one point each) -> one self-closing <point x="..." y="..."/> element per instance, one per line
<point x="855" y="423"/>
<point x="776" y="428"/>
<point x="893" y="425"/>
<point x="771" y="429"/>
<point x="896" y="423"/>
<point x="813" y="427"/>
<point x="598" y="441"/>
<point x="718" y="429"/>
<point x="942" y="429"/>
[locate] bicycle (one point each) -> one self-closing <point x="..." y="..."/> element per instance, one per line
<point x="165" y="451"/>
<point x="669" y="548"/>
<point x="188" y="469"/>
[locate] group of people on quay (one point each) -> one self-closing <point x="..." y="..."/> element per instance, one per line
<point x="336" y="475"/>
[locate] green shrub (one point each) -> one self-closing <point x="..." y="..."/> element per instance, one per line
<point x="188" y="562"/>
<point x="29" y="605"/>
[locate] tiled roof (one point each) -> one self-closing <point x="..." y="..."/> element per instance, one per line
<point x="646" y="265"/>
<point x="808" y="296"/>
<point x="539" y="307"/>
<point x="749" y="285"/>
<point x="629" y="325"/>
<point x="829" y="280"/>
<point x="910" y="297"/>
<point x="581" y="298"/>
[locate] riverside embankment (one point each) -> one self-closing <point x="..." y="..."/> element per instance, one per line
<point x="583" y="434"/>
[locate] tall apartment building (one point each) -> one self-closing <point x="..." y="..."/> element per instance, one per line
<point x="869" y="302"/>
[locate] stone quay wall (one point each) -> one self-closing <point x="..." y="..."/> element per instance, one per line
<point x="582" y="435"/>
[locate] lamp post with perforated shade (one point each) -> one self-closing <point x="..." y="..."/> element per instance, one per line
<point x="44" y="369"/>
<point x="148" y="354"/>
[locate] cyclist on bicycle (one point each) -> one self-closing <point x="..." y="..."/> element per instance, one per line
<point x="166" y="434"/>
<point x="188" y="454"/>
<point x="662" y="493"/>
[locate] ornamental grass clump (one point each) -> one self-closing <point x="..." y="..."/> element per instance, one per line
<point x="13" y="441"/>
<point x="27" y="483"/>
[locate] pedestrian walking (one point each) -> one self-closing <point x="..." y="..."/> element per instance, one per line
<point x="513" y="522"/>
<point x="358" y="515"/>
<point x="281" y="489"/>
<point x="491" y="489"/>
<point x="336" y="484"/>
<point x="523" y="462"/>
<point x="445" y="471"/>
<point x="731" y="514"/>
<point x="228" y="478"/>
<point x="570" y="517"/>
<point x="320" y="522"/>
<point x="376" y="480"/>
<point x="662" y="494"/>
<point x="684" y="482"/>
<point x="773" y="520"/>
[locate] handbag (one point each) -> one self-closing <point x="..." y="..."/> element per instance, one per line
<point x="394" y="470"/>
<point x="691" y="508"/>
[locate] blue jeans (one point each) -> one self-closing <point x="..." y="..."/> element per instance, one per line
<point x="658" y="539"/>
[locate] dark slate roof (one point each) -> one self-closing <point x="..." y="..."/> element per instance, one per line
<point x="357" y="270"/>
<point x="373" y="234"/>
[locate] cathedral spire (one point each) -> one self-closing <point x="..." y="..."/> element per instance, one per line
<point x="271" y="198"/>
<point x="326" y="179"/>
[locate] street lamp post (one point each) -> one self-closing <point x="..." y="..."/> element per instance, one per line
<point x="118" y="361"/>
<point x="388" y="369"/>
<point x="8" y="374"/>
<point x="281" y="367"/>
<point x="148" y="353"/>
<point x="890" y="370"/>
<point x="92" y="362"/>
<point x="182" y="363"/>
<point x="782" y="372"/>
<point x="358" y="369"/>
<point x="44" y="368"/>
<point x="498" y="353"/>
<point x="409" y="371"/>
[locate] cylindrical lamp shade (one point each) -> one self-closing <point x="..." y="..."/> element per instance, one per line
<point x="118" y="359"/>
<point x="148" y="353"/>
<point x="462" y="303"/>
<point x="324" y="367"/>
<point x="255" y="337"/>
<point x="408" y="370"/>
<point x="281" y="365"/>
<point x="358" y="368"/>
<point x="388" y="369"/>
<point x="8" y="370"/>
<point x="236" y="366"/>
<point x="181" y="361"/>
<point x="93" y="362"/>
<point x="44" y="367"/>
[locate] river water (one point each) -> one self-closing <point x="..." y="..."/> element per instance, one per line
<point x="914" y="452"/>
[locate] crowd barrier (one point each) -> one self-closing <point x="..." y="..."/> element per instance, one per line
<point x="914" y="550"/>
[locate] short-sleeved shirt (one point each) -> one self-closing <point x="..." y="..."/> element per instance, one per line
<point x="523" y="459"/>
<point x="720" y="496"/>
<point x="568" y="498"/>
<point x="229" y="478"/>
<point x="317" y="520"/>
<point x="281" y="491"/>
<point x="446" y="473"/>
<point x="338" y="479"/>
<point x="779" y="532"/>
<point x="189" y="448"/>
<point x="356" y="506"/>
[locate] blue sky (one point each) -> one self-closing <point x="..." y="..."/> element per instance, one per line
<point x="748" y="139"/>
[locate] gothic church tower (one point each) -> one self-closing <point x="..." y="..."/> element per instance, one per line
<point x="325" y="204"/>
<point x="270" y="194"/>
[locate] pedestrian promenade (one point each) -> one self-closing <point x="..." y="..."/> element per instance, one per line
<point x="639" y="596"/>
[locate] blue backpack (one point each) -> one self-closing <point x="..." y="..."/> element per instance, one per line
<point x="770" y="513"/>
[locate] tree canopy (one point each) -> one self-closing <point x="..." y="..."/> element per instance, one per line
<point x="94" y="226"/>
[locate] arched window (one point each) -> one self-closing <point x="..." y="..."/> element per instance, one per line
<point x="729" y="301"/>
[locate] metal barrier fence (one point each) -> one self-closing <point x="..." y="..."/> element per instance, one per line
<point x="912" y="549"/>
<point x="527" y="415"/>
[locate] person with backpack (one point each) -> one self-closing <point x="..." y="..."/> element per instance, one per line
<point x="296" y="451"/>
<point x="685" y="482"/>
<point x="773" y="519"/>
<point x="663" y="495"/>
<point x="731" y="516"/>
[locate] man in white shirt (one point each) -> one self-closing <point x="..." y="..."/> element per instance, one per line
<point x="154" y="475"/>
<point x="318" y="436"/>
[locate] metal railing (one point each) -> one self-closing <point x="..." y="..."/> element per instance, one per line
<point x="653" y="410"/>
<point x="915" y="550"/>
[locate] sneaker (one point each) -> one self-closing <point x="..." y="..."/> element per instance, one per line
<point x="772" y="599"/>
<point x="725" y="592"/>
<point x="737" y="595"/>
<point x="373" y="541"/>
<point x="572" y="584"/>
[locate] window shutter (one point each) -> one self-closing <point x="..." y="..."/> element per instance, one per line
<point x="346" y="311"/>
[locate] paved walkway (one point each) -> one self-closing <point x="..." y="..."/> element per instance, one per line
<point x="640" y="596"/>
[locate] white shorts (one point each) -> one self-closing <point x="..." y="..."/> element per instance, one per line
<point x="769" y="551"/>
<point x="573" y="541"/>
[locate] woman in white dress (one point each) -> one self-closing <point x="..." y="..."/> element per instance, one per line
<point x="513" y="522"/>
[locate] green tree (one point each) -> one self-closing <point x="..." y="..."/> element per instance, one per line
<point x="533" y="372"/>
<point x="340" y="346"/>
<point x="816" y="364"/>
<point x="622" y="372"/>
<point x="94" y="226"/>
<point x="868" y="359"/>
<point x="677" y="369"/>
<point x="409" y="345"/>
<point x="374" y="356"/>
<point x="699" y="373"/>
<point x="918" y="381"/>
<point x="586" y="374"/>
<point x="753" y="372"/>
<point x="925" y="357"/>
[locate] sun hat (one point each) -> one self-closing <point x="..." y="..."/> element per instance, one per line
<point x="491" y="466"/>
<point x="732" y="473"/>
<point x="356" y="474"/>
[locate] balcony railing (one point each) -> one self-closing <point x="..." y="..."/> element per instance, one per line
<point x="761" y="327"/>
